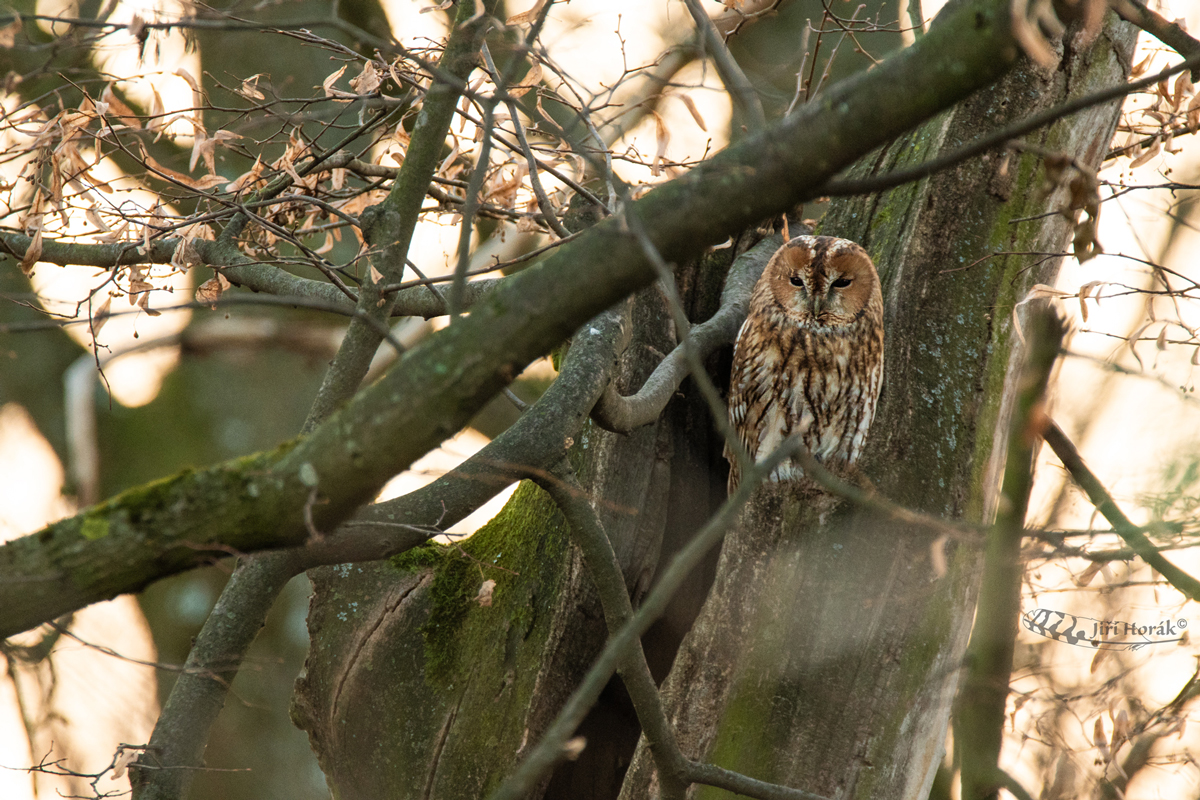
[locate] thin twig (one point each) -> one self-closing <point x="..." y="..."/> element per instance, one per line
<point x="740" y="90"/>
<point x="1104" y="503"/>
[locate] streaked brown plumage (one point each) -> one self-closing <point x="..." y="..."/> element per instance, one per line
<point x="810" y="355"/>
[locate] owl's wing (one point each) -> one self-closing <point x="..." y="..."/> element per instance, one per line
<point x="752" y="394"/>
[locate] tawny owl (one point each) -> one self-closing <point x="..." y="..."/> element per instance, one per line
<point x="809" y="356"/>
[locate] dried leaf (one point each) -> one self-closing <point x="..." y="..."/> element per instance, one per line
<point x="1121" y="726"/>
<point x="1098" y="737"/>
<point x="486" y="590"/>
<point x="158" y="119"/>
<point x="1183" y="87"/>
<point x="442" y="6"/>
<point x="100" y="317"/>
<point x="1161" y="341"/>
<point x="367" y="81"/>
<point x="526" y="17"/>
<point x="118" y="109"/>
<point x="376" y="275"/>
<point x="1088" y="575"/>
<point x="1151" y="152"/>
<point x="663" y="137"/>
<point x="33" y="252"/>
<point x="210" y="291"/>
<point x="246" y="178"/>
<point x="532" y="79"/>
<point x="1026" y="32"/>
<point x="695" y="112"/>
<point x="328" y="83"/>
<point x="125" y="756"/>
<point x="197" y="95"/>
<point x="1139" y="69"/>
<point x="93" y="216"/>
<point x="185" y="256"/>
<point x="325" y="248"/>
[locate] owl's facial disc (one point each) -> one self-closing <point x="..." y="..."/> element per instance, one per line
<point x="821" y="281"/>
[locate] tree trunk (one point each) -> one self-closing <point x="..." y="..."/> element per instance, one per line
<point x="827" y="655"/>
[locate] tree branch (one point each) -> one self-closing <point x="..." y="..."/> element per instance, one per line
<point x="1104" y="503"/>
<point x="890" y="180"/>
<point x="1157" y="26"/>
<point x="740" y="90"/>
<point x="623" y="414"/>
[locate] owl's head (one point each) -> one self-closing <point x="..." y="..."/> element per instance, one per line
<point x="822" y="282"/>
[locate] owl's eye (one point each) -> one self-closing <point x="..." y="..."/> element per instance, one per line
<point x="841" y="283"/>
<point x="796" y="280"/>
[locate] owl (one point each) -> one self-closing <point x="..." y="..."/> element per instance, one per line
<point x="809" y="357"/>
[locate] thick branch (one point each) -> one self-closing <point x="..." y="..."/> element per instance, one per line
<point x="261" y="502"/>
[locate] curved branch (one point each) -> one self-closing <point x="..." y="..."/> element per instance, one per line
<point x="620" y="414"/>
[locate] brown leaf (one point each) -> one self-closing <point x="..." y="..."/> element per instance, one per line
<point x="695" y="112"/>
<point x="376" y="275"/>
<point x="1151" y="152"/>
<point x="33" y="252"/>
<point x="1026" y="32"/>
<point x="526" y="17"/>
<point x="158" y="119"/>
<point x="1089" y="574"/>
<point x="367" y="81"/>
<point x="442" y="6"/>
<point x="328" y="83"/>
<point x="531" y="80"/>
<point x="210" y="291"/>
<point x="250" y="90"/>
<point x="1098" y="736"/>
<point x="100" y="317"/>
<point x="1161" y="341"/>
<point x="663" y="136"/>
<point x="118" y="109"/>
<point x="185" y="256"/>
